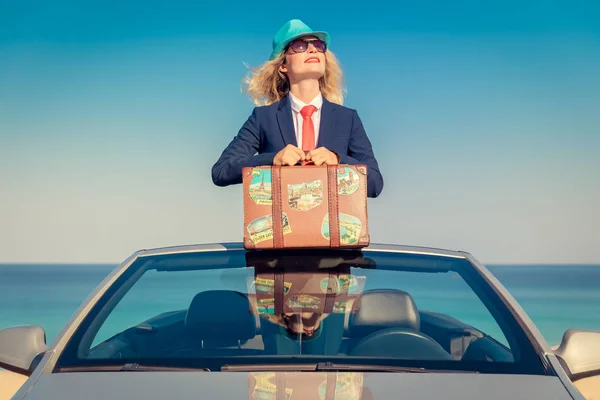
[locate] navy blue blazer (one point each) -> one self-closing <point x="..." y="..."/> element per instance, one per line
<point x="270" y="128"/>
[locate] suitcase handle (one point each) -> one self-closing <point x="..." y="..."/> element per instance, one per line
<point x="310" y="162"/>
<point x="306" y="162"/>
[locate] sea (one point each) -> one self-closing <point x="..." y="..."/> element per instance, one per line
<point x="556" y="297"/>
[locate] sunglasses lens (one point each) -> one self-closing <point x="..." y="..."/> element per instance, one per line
<point x="299" y="46"/>
<point x="319" y="45"/>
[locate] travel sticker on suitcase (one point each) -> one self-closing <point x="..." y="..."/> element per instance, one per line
<point x="265" y="389"/>
<point x="262" y="285"/>
<point x="345" y="283"/>
<point x="305" y="196"/>
<point x="348" y="180"/>
<point x="349" y="229"/>
<point x="304" y="301"/>
<point x="261" y="229"/>
<point x="260" y="187"/>
<point x="266" y="306"/>
<point x="348" y="386"/>
<point x="340" y="307"/>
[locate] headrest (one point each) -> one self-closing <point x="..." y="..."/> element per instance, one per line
<point x="383" y="308"/>
<point x="222" y="315"/>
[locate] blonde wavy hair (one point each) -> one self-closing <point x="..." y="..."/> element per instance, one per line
<point x="266" y="84"/>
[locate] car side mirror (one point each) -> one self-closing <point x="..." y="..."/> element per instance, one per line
<point x="21" y="348"/>
<point x="580" y="351"/>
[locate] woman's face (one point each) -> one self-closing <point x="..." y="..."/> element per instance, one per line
<point x="309" y="64"/>
<point x="306" y="322"/>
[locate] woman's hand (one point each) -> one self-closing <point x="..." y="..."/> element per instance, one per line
<point x="289" y="155"/>
<point x="322" y="156"/>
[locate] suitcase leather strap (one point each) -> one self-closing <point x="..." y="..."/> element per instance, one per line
<point x="276" y="213"/>
<point x="331" y="386"/>
<point x="330" y="294"/>
<point x="278" y="292"/>
<point x="280" y="386"/>
<point x="334" y="224"/>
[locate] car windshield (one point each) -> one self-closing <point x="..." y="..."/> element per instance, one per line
<point x="238" y="310"/>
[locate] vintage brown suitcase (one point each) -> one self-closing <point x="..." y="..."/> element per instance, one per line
<point x="318" y="206"/>
<point x="299" y="385"/>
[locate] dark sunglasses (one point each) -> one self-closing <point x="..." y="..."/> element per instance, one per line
<point x="301" y="45"/>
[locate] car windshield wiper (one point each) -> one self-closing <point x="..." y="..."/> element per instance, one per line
<point x="367" y="367"/>
<point x="328" y="366"/>
<point x="127" y="367"/>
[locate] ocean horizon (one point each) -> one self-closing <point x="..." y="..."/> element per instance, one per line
<point x="555" y="296"/>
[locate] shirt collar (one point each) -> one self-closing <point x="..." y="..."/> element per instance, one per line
<point x="298" y="104"/>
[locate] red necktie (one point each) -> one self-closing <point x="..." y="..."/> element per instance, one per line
<point x="308" y="129"/>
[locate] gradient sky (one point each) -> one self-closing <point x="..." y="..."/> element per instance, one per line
<point x="484" y="117"/>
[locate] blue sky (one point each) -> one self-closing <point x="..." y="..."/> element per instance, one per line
<point x="484" y="118"/>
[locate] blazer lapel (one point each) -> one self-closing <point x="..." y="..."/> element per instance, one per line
<point x="327" y="125"/>
<point x="286" y="124"/>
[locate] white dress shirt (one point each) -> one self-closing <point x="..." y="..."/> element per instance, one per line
<point x="297" y="105"/>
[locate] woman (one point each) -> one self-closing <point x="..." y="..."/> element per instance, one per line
<point x="299" y="116"/>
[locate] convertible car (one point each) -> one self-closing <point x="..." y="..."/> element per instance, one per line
<point x="217" y="321"/>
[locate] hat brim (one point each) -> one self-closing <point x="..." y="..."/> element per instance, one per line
<point x="324" y="36"/>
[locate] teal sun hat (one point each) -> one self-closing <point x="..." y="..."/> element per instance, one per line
<point x="291" y="30"/>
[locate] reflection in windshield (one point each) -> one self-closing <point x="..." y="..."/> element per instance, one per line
<point x="299" y="301"/>
<point x="305" y="323"/>
<point x="321" y="386"/>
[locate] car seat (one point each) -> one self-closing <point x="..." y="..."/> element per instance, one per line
<point x="386" y="323"/>
<point x="218" y="322"/>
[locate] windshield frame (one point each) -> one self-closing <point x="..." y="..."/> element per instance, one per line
<point x="526" y="355"/>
